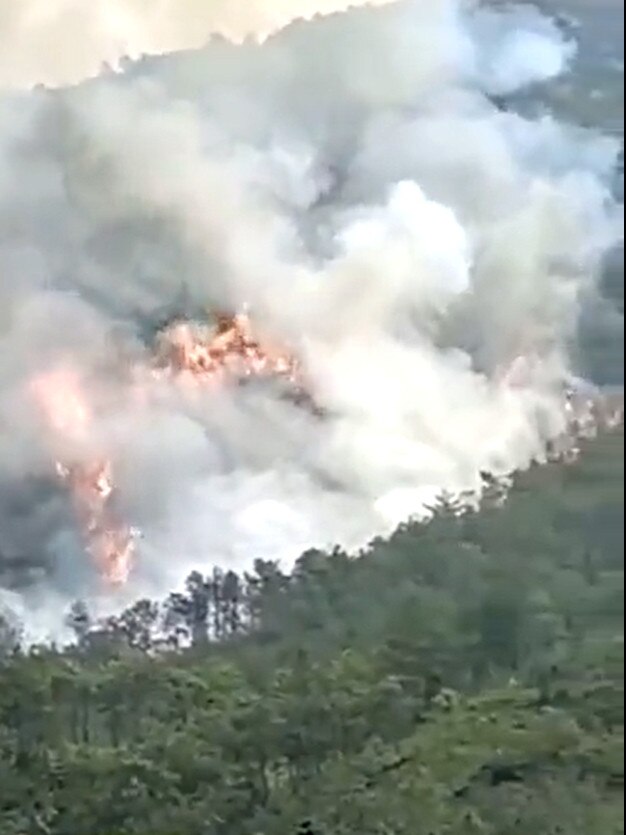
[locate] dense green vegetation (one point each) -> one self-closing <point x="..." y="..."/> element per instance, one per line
<point x="463" y="678"/>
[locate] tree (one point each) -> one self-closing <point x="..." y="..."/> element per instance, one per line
<point x="464" y="677"/>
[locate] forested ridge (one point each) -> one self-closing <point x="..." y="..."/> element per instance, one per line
<point x="464" y="677"/>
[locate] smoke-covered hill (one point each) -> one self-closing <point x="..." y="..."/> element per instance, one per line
<point x="423" y="256"/>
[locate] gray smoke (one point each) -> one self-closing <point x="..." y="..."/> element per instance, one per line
<point x="425" y="254"/>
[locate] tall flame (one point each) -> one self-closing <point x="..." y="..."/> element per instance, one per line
<point x="185" y="353"/>
<point x="109" y="542"/>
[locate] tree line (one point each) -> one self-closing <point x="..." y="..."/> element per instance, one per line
<point x="464" y="676"/>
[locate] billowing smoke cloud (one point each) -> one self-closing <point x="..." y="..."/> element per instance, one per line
<point x="424" y="254"/>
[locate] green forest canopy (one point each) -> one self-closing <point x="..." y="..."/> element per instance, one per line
<point x="464" y="677"/>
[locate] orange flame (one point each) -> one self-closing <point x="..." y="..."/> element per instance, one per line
<point x="211" y="354"/>
<point x="201" y="355"/>
<point x="109" y="542"/>
<point x="185" y="353"/>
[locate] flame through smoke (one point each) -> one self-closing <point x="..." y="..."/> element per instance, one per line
<point x="90" y="482"/>
<point x="414" y="262"/>
<point x="204" y="354"/>
<point x="191" y="356"/>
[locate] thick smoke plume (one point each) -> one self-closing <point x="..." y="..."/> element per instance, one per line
<point x="350" y="184"/>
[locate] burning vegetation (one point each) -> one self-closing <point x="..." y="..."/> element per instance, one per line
<point x="230" y="349"/>
<point x="186" y="353"/>
<point x="189" y="354"/>
<point x="88" y="478"/>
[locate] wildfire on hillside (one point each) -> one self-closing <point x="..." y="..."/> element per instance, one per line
<point x="90" y="481"/>
<point x="586" y="411"/>
<point x="185" y="353"/>
<point x="201" y="356"/>
<point x="230" y="349"/>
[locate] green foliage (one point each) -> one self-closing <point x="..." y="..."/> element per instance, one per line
<point x="463" y="678"/>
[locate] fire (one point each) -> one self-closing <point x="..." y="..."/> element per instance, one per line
<point x="586" y="412"/>
<point x="200" y="355"/>
<point x="109" y="542"/>
<point x="185" y="353"/>
<point x="228" y="350"/>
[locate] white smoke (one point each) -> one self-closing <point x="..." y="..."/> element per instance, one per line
<point x="62" y="42"/>
<point x="516" y="47"/>
<point x="350" y="181"/>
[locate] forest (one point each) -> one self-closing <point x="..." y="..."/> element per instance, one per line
<point x="464" y="677"/>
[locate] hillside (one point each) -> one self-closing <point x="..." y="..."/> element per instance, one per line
<point x="262" y="297"/>
<point x="462" y="677"/>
